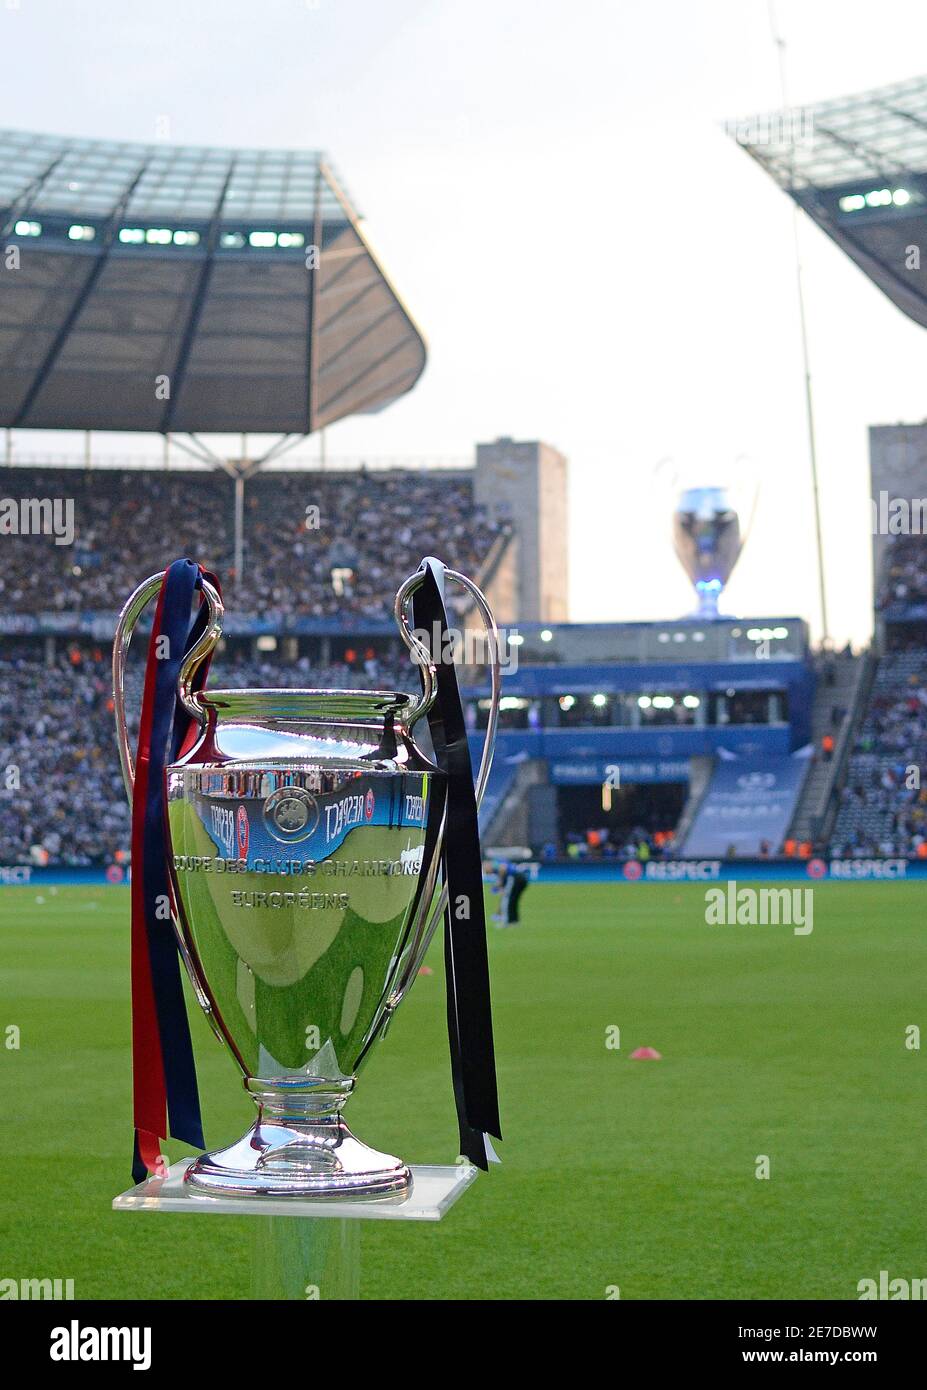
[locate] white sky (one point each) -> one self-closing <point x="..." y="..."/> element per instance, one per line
<point x="593" y="262"/>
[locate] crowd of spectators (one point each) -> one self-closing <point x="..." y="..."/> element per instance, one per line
<point x="127" y="524"/>
<point x="882" y="809"/>
<point x="320" y="545"/>
<point x="370" y="673"/>
<point x="904" y="573"/>
<point x="62" y="799"/>
<point x="61" y="792"/>
<point x="315" y="545"/>
<point x="602" y="842"/>
<point x="371" y="530"/>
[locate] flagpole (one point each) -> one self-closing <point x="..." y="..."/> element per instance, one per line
<point x="809" y="399"/>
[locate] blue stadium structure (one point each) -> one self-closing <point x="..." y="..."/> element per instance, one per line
<point x="691" y="736"/>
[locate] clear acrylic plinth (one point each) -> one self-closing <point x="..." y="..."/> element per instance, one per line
<point x="317" y="1257"/>
<point x="434" y="1191"/>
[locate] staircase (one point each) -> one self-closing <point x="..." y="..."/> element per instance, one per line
<point x="504" y="813"/>
<point x="849" y="676"/>
<point x="700" y="769"/>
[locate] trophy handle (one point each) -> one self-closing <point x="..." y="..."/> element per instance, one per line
<point x="128" y="619"/>
<point x="425" y="928"/>
<point x="418" y="651"/>
<point x="422" y="657"/>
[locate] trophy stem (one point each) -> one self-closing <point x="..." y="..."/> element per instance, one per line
<point x="708" y="596"/>
<point x="303" y="1259"/>
<point x="300" y="1146"/>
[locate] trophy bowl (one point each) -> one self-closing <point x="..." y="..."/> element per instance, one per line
<point x="708" y="541"/>
<point x="304" y="832"/>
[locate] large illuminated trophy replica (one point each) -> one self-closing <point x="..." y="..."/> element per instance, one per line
<point x="305" y="830"/>
<point x="708" y="540"/>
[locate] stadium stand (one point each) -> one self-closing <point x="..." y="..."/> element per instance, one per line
<point x="377" y="526"/>
<point x="879" y="811"/>
<point x="62" y="800"/>
<point x="881" y="808"/>
<point x="64" y="803"/>
<point x="68" y="805"/>
<point x="372" y="527"/>
<point x="904" y="578"/>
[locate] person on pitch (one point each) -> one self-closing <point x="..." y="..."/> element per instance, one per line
<point x="510" y="883"/>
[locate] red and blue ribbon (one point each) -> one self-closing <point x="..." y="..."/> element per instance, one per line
<point x="164" y="1074"/>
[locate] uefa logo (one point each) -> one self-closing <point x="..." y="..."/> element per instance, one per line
<point x="290" y="814"/>
<point x="243" y="831"/>
<point x="633" y="870"/>
<point x="816" y="868"/>
<point x="756" y="781"/>
<point x="369" y="804"/>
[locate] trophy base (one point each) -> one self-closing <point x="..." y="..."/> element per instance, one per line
<point x="320" y="1159"/>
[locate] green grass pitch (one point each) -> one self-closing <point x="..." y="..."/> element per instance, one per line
<point x="640" y="1175"/>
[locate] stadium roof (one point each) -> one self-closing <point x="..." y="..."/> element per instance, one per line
<point x="153" y="269"/>
<point x="858" y="167"/>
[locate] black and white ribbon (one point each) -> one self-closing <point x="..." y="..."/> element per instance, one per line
<point x="469" y="1008"/>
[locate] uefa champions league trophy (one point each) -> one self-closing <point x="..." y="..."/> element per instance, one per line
<point x="710" y="524"/>
<point x="708" y="542"/>
<point x="304" y="832"/>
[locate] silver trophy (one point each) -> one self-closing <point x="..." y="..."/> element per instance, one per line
<point x="304" y="859"/>
<point x="708" y="541"/>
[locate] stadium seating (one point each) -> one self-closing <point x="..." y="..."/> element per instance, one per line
<point x="879" y="813"/>
<point x="69" y="805"/>
<point x="904" y="575"/>
<point x="372" y="526"/>
<point x="127" y="524"/>
<point x="375" y="525"/>
<point x="881" y="808"/>
<point x="62" y="799"/>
